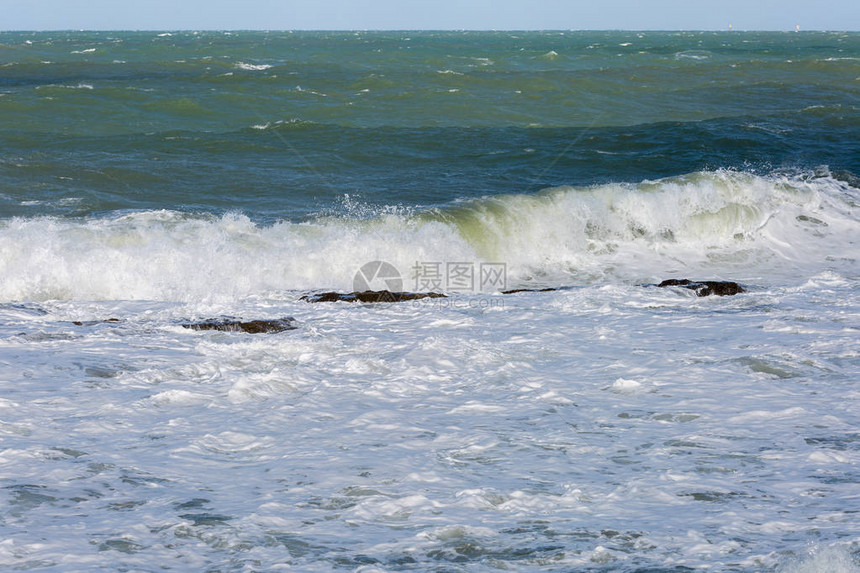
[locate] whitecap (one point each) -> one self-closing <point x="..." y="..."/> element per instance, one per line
<point x="625" y="386"/>
<point x="697" y="55"/>
<point x="253" y="67"/>
<point x="717" y="223"/>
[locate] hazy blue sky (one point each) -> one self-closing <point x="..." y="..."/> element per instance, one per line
<point x="429" y="14"/>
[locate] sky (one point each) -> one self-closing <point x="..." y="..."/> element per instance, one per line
<point x="429" y="14"/>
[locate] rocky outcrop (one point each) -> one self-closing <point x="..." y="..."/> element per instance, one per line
<point x="229" y="324"/>
<point x="547" y="289"/>
<point x="702" y="288"/>
<point x="370" y="296"/>
<point x="705" y="288"/>
<point x="250" y="326"/>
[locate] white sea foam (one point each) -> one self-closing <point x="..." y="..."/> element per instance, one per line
<point x="834" y="559"/>
<point x="253" y="67"/>
<point x="624" y="386"/>
<point x="767" y="230"/>
<point x="693" y="55"/>
<point x="300" y="89"/>
<point x="606" y="425"/>
<point x="80" y="86"/>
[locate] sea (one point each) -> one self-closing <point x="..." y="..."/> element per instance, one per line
<point x="556" y="411"/>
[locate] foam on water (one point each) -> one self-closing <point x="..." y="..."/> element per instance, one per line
<point x="607" y="427"/>
<point x="833" y="559"/>
<point x="719" y="224"/>
<point x="713" y="222"/>
<point x="253" y="67"/>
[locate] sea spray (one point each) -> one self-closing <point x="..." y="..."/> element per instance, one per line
<point x="723" y="224"/>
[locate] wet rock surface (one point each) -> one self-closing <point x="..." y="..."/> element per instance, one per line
<point x="705" y="288"/>
<point x="547" y="289"/>
<point x="95" y="322"/>
<point x="701" y="288"/>
<point x="249" y="326"/>
<point x="262" y="326"/>
<point x="370" y="296"/>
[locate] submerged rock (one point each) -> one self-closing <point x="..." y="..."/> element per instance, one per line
<point x="370" y="296"/>
<point x="702" y="288"/>
<point x="706" y="288"/>
<point x="250" y="326"/>
<point x="95" y="322"/>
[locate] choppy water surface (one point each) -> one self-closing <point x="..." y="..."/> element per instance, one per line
<point x="149" y="180"/>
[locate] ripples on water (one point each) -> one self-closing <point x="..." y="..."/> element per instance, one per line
<point x="151" y="180"/>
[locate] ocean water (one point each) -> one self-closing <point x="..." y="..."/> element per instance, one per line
<point x="149" y="180"/>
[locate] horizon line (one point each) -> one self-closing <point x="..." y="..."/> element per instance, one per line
<point x="420" y="30"/>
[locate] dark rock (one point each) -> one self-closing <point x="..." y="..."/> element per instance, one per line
<point x="370" y="296"/>
<point x="95" y="322"/>
<point x="516" y="290"/>
<point x="198" y="519"/>
<point x="706" y="288"/>
<point x="251" y="326"/>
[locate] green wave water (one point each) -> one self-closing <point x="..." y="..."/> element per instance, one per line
<point x="281" y="125"/>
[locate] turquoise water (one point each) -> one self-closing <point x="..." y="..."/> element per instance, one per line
<point x="282" y="125"/>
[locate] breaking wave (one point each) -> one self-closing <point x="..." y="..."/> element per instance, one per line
<point x="716" y="224"/>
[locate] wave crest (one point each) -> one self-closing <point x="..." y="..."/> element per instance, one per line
<point x="718" y="224"/>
